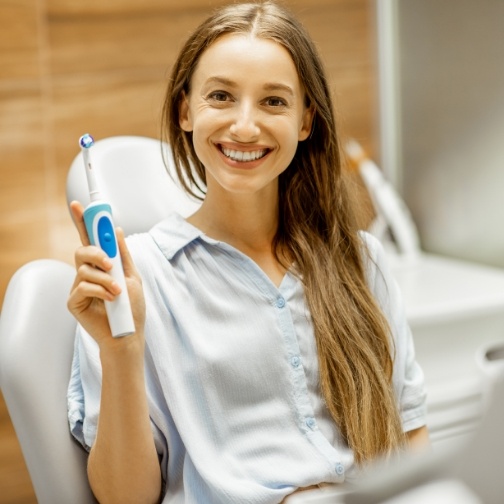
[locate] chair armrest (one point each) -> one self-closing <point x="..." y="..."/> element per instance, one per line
<point x="36" y="348"/>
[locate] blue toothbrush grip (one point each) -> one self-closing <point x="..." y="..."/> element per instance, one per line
<point x="101" y="232"/>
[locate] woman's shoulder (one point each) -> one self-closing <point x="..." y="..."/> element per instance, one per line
<point x="160" y="245"/>
<point x="169" y="235"/>
<point x="379" y="275"/>
<point x="373" y="254"/>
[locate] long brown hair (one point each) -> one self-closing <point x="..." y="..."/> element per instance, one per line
<point x="355" y="348"/>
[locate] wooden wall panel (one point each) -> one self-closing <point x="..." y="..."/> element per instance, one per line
<point x="64" y="8"/>
<point x="344" y="38"/>
<point x="107" y="44"/>
<point x="68" y="67"/>
<point x="23" y="181"/>
<point x="19" y="42"/>
<point x="22" y="138"/>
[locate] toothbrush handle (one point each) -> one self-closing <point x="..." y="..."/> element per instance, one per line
<point x="101" y="232"/>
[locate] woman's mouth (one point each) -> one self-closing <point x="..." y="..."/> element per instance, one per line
<point x="243" y="156"/>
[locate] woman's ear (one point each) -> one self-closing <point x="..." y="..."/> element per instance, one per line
<point x="307" y="123"/>
<point x="184" y="113"/>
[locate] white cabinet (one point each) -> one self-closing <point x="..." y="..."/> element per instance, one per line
<point x="455" y="310"/>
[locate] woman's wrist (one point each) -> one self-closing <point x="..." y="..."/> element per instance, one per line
<point x="129" y="349"/>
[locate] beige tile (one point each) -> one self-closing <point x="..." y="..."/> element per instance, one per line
<point x="342" y="35"/>
<point x="19" y="39"/>
<point x="355" y="102"/>
<point x="63" y="238"/>
<point x="24" y="192"/>
<point x="21" y="241"/>
<point x="107" y="43"/>
<point x="65" y="8"/>
<point x="82" y="44"/>
<point x="21" y="117"/>
<point x="22" y="153"/>
<point x="57" y="8"/>
<point x="87" y="43"/>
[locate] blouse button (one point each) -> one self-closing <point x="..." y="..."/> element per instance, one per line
<point x="295" y="361"/>
<point x="280" y="302"/>
<point x="339" y="469"/>
<point x="310" y="422"/>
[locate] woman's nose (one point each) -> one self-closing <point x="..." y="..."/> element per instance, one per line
<point x="244" y="126"/>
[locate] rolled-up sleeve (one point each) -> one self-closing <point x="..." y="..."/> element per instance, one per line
<point x="84" y="389"/>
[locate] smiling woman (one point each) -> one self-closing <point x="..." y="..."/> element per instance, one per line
<point x="272" y="351"/>
<point x="246" y="121"/>
<point x="110" y="85"/>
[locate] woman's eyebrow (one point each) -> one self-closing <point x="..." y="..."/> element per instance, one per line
<point x="268" y="86"/>
<point x="276" y="86"/>
<point x="220" y="80"/>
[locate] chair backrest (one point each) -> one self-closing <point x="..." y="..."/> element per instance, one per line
<point x="37" y="331"/>
<point x="132" y="176"/>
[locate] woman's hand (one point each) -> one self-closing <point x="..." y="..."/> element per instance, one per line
<point x="123" y="465"/>
<point x="93" y="285"/>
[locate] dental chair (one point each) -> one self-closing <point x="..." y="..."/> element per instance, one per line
<point x="444" y="300"/>
<point x="37" y="331"/>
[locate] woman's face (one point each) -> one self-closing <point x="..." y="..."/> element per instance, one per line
<point x="246" y="111"/>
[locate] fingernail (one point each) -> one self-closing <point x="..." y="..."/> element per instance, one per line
<point x="107" y="263"/>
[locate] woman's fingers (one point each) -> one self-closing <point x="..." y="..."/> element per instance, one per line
<point x="92" y="279"/>
<point x="77" y="211"/>
<point x="90" y="275"/>
<point x="85" y="292"/>
<point x="90" y="285"/>
<point x="94" y="256"/>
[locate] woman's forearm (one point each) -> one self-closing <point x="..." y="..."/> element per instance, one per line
<point x="418" y="439"/>
<point x="123" y="464"/>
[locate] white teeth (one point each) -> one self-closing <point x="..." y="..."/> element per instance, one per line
<point x="244" y="156"/>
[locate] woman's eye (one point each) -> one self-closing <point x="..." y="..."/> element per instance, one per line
<point x="275" y="101"/>
<point x="219" y="96"/>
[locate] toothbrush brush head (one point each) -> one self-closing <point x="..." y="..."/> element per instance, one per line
<point x="86" y="141"/>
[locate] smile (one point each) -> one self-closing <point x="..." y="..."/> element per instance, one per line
<point x="243" y="156"/>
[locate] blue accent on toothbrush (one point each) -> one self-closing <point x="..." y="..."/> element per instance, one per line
<point x="86" y="141"/>
<point x="100" y="227"/>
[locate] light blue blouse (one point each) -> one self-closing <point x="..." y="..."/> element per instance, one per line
<point x="232" y="374"/>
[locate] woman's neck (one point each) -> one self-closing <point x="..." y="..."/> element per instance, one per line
<point x="243" y="222"/>
<point x="248" y="223"/>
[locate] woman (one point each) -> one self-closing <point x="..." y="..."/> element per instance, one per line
<point x="272" y="352"/>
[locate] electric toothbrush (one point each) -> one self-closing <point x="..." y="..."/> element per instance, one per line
<point x="101" y="232"/>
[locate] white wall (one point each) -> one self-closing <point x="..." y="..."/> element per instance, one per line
<point x="446" y="107"/>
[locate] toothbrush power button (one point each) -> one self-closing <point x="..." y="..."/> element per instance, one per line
<point x="106" y="237"/>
